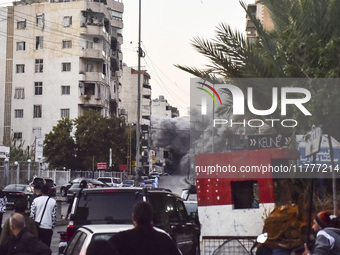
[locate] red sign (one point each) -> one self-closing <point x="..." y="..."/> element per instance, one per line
<point x="101" y="166"/>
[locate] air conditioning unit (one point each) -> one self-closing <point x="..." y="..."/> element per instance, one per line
<point x="95" y="39"/>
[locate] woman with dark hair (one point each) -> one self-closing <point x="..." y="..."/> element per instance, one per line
<point x="3" y="201"/>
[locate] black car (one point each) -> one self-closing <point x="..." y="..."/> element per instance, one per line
<point x="64" y="188"/>
<point x="115" y="206"/>
<point x="14" y="192"/>
<point x="45" y="180"/>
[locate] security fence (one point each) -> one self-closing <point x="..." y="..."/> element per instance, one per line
<point x="23" y="172"/>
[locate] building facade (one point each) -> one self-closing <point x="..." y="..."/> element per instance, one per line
<point x="161" y="108"/>
<point x="61" y="58"/>
<point x="129" y="95"/>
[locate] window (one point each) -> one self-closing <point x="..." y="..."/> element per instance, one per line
<point x="21" y="24"/>
<point x="17" y="135"/>
<point x="38" y="88"/>
<point x="39" y="42"/>
<point x="19" y="113"/>
<point x="40" y="20"/>
<point x="66" y="67"/>
<point x="245" y="194"/>
<point x="21" y="45"/>
<point x="20" y="68"/>
<point x="37" y="111"/>
<point x="19" y="93"/>
<point x="67" y="21"/>
<point x="65" y="113"/>
<point x="88" y="67"/>
<point x="89" y="45"/>
<point x="117" y="15"/>
<point x="67" y="44"/>
<point x="65" y="90"/>
<point x="39" y="65"/>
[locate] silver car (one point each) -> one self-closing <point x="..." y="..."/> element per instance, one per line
<point x="87" y="234"/>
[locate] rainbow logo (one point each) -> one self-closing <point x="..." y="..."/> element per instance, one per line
<point x="209" y="93"/>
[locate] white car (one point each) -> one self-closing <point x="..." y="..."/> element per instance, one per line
<point x="88" y="233"/>
<point x="111" y="181"/>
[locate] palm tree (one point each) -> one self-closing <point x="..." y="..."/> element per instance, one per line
<point x="304" y="43"/>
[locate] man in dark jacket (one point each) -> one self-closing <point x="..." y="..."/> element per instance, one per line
<point x="23" y="241"/>
<point x="19" y="207"/>
<point x="327" y="237"/>
<point x="144" y="239"/>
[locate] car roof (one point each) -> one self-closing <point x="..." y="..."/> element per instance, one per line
<point x="127" y="189"/>
<point x="107" y="228"/>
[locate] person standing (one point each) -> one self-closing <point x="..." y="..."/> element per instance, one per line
<point x="19" y="207"/>
<point x="145" y="239"/>
<point x="3" y="202"/>
<point x="327" y="237"/>
<point x="44" y="213"/>
<point x="22" y="241"/>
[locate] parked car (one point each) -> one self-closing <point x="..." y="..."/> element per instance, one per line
<point x="91" y="183"/>
<point x="111" y="181"/>
<point x="13" y="192"/>
<point x="64" y="188"/>
<point x="127" y="183"/>
<point x="45" y="180"/>
<point x="115" y="206"/>
<point x="150" y="184"/>
<point x="86" y="234"/>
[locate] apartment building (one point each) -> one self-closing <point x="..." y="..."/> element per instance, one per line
<point x="59" y="58"/>
<point x="261" y="12"/>
<point x="129" y="95"/>
<point x="161" y="108"/>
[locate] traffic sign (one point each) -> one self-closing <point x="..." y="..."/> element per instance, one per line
<point x="313" y="142"/>
<point x="101" y="166"/>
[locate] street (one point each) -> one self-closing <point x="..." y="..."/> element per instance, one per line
<point x="175" y="183"/>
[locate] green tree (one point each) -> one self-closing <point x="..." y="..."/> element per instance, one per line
<point x="59" y="146"/>
<point x="96" y="135"/>
<point x="18" y="153"/>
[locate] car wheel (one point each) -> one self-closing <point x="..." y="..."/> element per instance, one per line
<point x="63" y="192"/>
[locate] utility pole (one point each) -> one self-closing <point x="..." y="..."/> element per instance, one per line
<point x="139" y="93"/>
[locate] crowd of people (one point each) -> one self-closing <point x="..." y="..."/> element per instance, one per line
<point x="32" y="233"/>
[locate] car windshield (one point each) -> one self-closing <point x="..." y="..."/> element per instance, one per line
<point x="102" y="236"/>
<point x="14" y="188"/>
<point x="104" y="179"/>
<point x="114" y="207"/>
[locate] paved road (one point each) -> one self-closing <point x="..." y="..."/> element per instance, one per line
<point x="175" y="183"/>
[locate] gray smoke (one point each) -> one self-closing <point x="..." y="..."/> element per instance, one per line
<point x="174" y="135"/>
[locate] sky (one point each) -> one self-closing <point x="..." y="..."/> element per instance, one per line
<point x="167" y="29"/>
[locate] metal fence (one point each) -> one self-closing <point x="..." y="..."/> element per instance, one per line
<point x="23" y="172"/>
<point x="227" y="245"/>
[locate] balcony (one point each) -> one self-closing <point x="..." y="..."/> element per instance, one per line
<point x="93" y="54"/>
<point x="117" y="23"/>
<point x="95" y="30"/>
<point x="91" y="100"/>
<point x="115" y="5"/>
<point x="94" y="76"/>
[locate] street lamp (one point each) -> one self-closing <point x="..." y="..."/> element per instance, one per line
<point x="18" y="169"/>
<point x="29" y="169"/>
